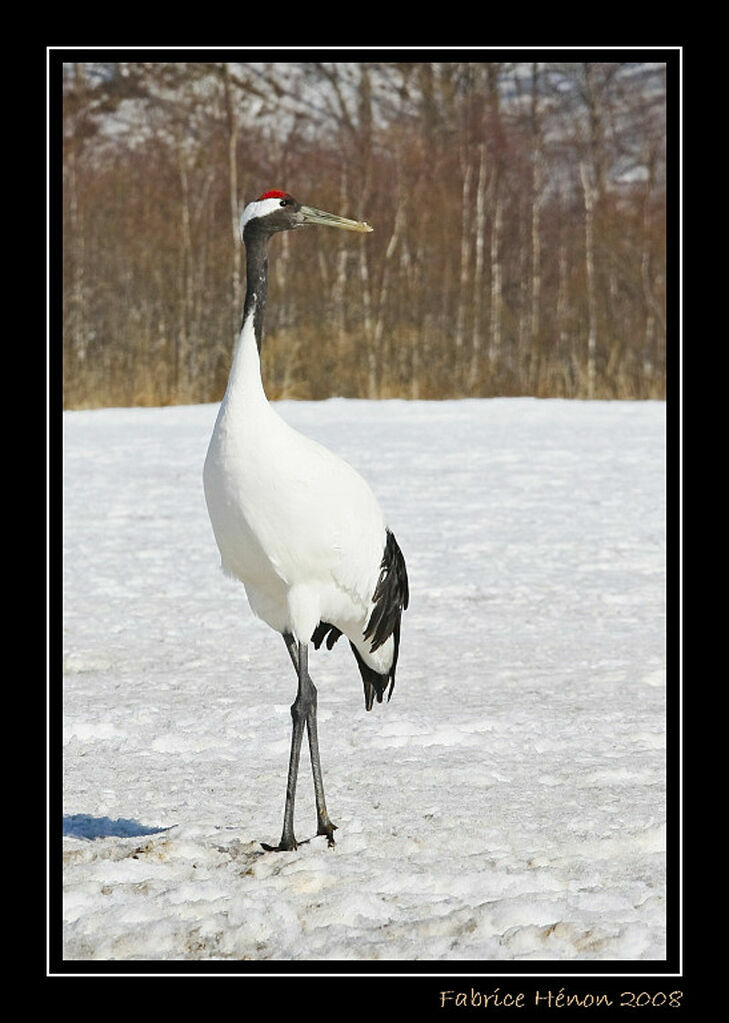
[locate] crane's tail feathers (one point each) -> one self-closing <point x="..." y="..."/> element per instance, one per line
<point x="374" y="683"/>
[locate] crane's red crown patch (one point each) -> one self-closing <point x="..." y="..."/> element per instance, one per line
<point x="275" y="193"/>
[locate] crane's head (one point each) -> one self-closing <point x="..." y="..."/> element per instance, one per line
<point x="278" y="211"/>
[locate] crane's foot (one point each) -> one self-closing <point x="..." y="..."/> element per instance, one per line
<point x="288" y="845"/>
<point x="327" y="828"/>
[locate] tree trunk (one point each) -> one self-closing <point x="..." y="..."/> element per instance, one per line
<point x="496" y="287"/>
<point x="478" y="266"/>
<point x="379" y="326"/>
<point x="77" y="241"/>
<point x="536" y="268"/>
<point x="232" y="122"/>
<point x="463" y="277"/>
<point x="339" y="287"/>
<point x="372" y="361"/>
<point x="183" y="359"/>
<point x="589" y="197"/>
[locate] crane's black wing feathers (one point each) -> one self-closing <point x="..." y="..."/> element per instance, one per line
<point x="390" y="599"/>
<point x="391" y="594"/>
<point x="321" y="631"/>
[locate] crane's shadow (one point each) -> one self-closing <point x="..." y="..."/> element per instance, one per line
<point x="83" y="825"/>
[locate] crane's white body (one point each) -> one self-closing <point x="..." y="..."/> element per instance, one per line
<point x="298" y="526"/>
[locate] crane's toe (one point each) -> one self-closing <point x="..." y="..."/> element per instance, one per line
<point x="328" y="829"/>
<point x="287" y="844"/>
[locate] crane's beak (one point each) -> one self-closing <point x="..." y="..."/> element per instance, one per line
<point x="311" y="216"/>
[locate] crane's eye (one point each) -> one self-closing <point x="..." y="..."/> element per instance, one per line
<point x="286" y="202"/>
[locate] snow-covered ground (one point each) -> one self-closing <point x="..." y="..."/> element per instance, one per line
<point x="507" y="804"/>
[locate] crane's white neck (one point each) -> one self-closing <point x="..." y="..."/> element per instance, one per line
<point x="244" y="380"/>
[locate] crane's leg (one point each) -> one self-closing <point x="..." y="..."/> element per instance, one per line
<point x="303" y="711"/>
<point x="324" y="825"/>
<point x="299" y="710"/>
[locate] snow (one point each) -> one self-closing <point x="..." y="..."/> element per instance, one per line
<point x="507" y="804"/>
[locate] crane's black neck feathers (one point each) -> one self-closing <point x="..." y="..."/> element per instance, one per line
<point x="256" y="242"/>
<point x="256" y="235"/>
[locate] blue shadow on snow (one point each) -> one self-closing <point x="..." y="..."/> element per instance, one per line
<point x="83" y="825"/>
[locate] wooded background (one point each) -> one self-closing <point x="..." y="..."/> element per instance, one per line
<point x="518" y="211"/>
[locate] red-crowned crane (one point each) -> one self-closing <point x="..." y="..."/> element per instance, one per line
<point x="295" y="523"/>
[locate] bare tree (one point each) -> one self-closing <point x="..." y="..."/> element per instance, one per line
<point x="231" y="113"/>
<point x="588" y="191"/>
